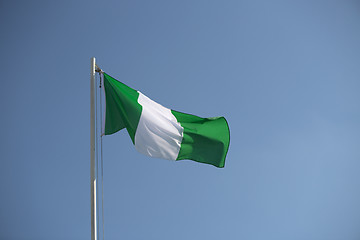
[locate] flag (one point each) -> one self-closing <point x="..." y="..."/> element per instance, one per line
<point x="159" y="132"/>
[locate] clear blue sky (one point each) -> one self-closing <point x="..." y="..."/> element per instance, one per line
<point x="285" y="74"/>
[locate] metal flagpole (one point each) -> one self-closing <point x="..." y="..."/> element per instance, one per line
<point x="92" y="152"/>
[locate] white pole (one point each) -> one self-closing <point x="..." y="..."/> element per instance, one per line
<point x="92" y="152"/>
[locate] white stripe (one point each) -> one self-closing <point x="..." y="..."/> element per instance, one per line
<point x="158" y="133"/>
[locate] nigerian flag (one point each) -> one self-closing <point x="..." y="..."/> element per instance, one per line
<point x="159" y="132"/>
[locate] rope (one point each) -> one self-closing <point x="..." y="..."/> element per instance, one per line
<point x="96" y="159"/>
<point x="101" y="160"/>
<point x="99" y="146"/>
<point x="98" y="95"/>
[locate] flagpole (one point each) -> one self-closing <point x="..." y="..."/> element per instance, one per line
<point x="92" y="152"/>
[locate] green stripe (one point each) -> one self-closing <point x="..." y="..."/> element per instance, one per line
<point x="205" y="140"/>
<point x="122" y="108"/>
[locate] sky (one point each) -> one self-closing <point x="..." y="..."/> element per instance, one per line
<point x="285" y="75"/>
